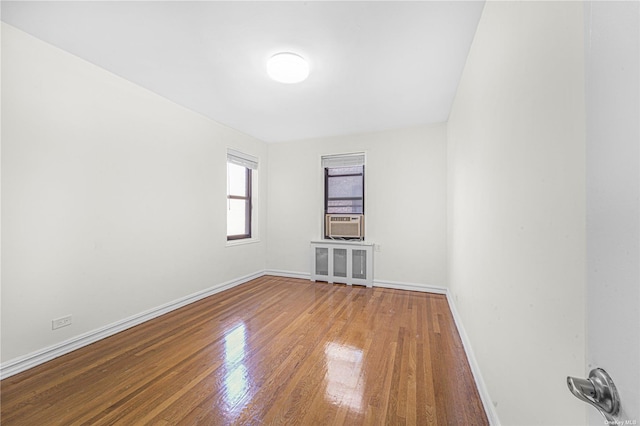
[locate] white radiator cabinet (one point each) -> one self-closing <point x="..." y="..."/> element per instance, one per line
<point x="344" y="262"/>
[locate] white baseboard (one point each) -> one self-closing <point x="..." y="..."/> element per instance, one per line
<point x="288" y="274"/>
<point x="376" y="283"/>
<point x="18" y="365"/>
<point x="425" y="288"/>
<point x="489" y="408"/>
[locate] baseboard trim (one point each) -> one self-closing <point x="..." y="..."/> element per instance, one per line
<point x="424" y="288"/>
<point x="489" y="408"/>
<point x="287" y="274"/>
<point x="18" y="365"/>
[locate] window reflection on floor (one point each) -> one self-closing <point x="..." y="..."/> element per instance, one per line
<point x="236" y="380"/>
<point x="344" y="364"/>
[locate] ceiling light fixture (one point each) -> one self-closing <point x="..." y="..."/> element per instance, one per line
<point x="287" y="67"/>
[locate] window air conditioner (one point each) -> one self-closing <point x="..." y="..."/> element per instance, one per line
<point x="344" y="225"/>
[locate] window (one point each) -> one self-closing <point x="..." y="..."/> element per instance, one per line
<point x="240" y="170"/>
<point x="344" y="190"/>
<point x="344" y="195"/>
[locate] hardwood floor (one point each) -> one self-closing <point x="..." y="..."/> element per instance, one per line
<point x="271" y="351"/>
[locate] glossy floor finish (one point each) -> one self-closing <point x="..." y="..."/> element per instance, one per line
<point x="271" y="351"/>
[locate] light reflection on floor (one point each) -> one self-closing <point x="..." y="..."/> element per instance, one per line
<point x="344" y="364"/>
<point x="236" y="380"/>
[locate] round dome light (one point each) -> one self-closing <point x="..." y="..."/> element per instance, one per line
<point x="288" y="68"/>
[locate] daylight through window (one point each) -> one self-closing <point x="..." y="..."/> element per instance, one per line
<point x="344" y="196"/>
<point x="240" y="169"/>
<point x="344" y="190"/>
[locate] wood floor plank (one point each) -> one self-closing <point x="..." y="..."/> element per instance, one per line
<point x="271" y="351"/>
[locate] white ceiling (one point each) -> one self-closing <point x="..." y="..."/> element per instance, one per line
<point x="374" y="65"/>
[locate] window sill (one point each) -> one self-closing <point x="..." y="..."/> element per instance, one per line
<point x="231" y="243"/>
<point x="343" y="242"/>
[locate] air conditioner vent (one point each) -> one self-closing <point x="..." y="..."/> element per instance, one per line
<point x="344" y="226"/>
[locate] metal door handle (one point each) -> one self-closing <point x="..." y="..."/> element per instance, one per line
<point x="598" y="390"/>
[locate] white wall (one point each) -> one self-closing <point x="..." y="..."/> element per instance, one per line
<point x="516" y="220"/>
<point x="113" y="198"/>
<point x="612" y="46"/>
<point x="404" y="201"/>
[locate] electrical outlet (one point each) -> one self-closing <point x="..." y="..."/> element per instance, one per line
<point x="377" y="248"/>
<point x="61" y="322"/>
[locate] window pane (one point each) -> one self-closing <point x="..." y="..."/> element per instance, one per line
<point x="334" y="171"/>
<point x="344" y="206"/>
<point x="345" y="186"/>
<point x="236" y="180"/>
<point x="344" y="190"/>
<point x="236" y="217"/>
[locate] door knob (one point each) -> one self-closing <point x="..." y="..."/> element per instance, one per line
<point x="598" y="390"/>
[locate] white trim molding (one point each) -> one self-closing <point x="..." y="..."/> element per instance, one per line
<point x="20" y="364"/>
<point x="288" y="274"/>
<point x="489" y="408"/>
<point x="424" y="288"/>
